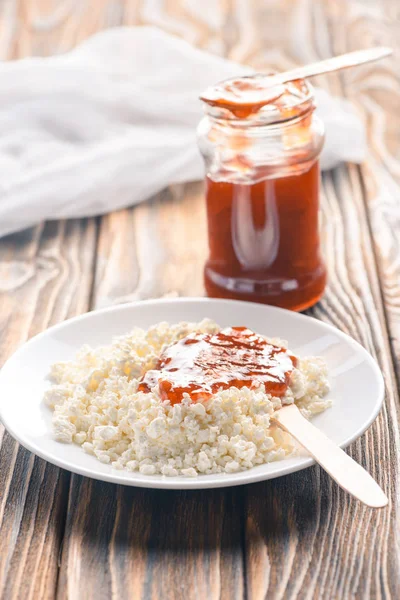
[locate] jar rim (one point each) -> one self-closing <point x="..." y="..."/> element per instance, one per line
<point x="299" y="101"/>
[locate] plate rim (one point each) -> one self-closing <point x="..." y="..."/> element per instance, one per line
<point x="227" y="480"/>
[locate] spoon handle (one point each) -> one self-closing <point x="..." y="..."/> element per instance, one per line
<point x="340" y="466"/>
<point x="351" y="59"/>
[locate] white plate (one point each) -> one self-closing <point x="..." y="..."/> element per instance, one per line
<point x="356" y="381"/>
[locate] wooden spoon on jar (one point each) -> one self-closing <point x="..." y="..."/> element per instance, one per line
<point x="336" y="63"/>
<point x="237" y="91"/>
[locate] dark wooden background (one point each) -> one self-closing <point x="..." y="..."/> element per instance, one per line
<point x="297" y="537"/>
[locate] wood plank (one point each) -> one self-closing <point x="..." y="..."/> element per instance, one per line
<point x="375" y="91"/>
<point x="151" y="543"/>
<point x="153" y="250"/>
<point x="45" y="277"/>
<point x="334" y="547"/>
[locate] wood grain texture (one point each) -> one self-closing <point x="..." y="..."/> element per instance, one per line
<point x="130" y="543"/>
<point x="153" y="250"/>
<point x="45" y="277"/>
<point x="297" y="537"/>
<point x="375" y="91"/>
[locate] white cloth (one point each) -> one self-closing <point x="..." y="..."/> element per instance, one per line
<point x="114" y="121"/>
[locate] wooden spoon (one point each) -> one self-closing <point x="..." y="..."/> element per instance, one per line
<point x="341" y="467"/>
<point x="264" y="84"/>
<point x="336" y="63"/>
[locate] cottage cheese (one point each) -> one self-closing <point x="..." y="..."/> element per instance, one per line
<point x="96" y="405"/>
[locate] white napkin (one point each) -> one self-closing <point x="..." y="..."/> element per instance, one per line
<point x="114" y="121"/>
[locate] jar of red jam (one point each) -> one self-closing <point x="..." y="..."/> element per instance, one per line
<point x="261" y="150"/>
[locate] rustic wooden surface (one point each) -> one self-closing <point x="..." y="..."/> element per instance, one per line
<point x="65" y="536"/>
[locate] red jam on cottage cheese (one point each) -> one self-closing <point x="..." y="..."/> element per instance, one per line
<point x="125" y="403"/>
<point x="201" y="364"/>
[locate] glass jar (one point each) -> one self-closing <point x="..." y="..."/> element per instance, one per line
<point x="262" y="195"/>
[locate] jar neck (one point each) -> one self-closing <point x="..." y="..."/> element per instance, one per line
<point x="258" y="124"/>
<point x="250" y="150"/>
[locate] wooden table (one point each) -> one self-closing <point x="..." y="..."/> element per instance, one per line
<point x="296" y="537"/>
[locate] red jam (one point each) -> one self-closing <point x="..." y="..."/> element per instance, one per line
<point x="245" y="95"/>
<point x="202" y="364"/>
<point x="264" y="241"/>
